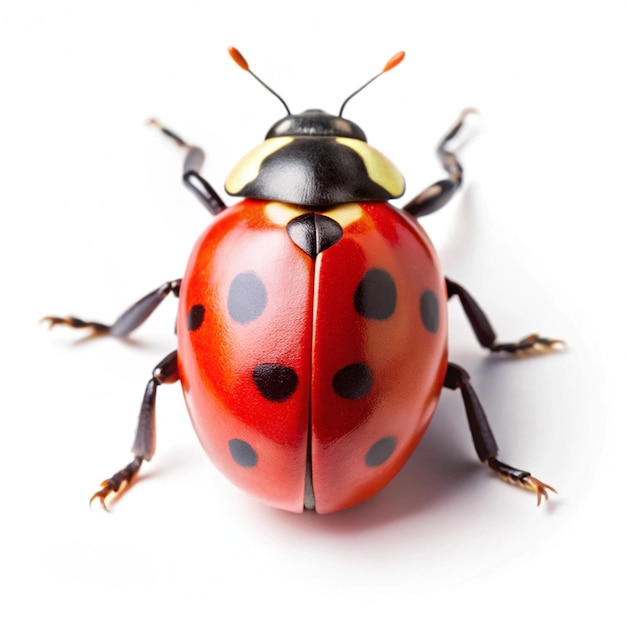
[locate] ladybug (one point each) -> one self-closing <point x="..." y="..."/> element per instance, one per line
<point x="312" y="325"/>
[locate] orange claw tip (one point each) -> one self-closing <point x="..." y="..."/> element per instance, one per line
<point x="238" y="58"/>
<point x="98" y="496"/>
<point x="155" y="123"/>
<point x="540" y="488"/>
<point x="396" y="59"/>
<point x="469" y="111"/>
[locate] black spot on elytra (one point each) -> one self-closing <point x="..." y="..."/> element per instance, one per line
<point x="429" y="311"/>
<point x="380" y="451"/>
<point x="247" y="297"/>
<point x="243" y="453"/>
<point x="275" y="382"/>
<point x="375" y="295"/>
<point x="195" y="317"/>
<point x="353" y="381"/>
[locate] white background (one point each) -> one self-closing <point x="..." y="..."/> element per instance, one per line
<point x="94" y="216"/>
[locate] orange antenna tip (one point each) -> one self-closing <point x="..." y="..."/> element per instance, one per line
<point x="238" y="58"/>
<point x="396" y="59"/>
<point x="393" y="61"/>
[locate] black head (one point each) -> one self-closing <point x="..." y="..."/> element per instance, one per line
<point x="315" y="123"/>
<point x="315" y="158"/>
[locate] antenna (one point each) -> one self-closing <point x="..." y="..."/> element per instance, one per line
<point x="393" y="61"/>
<point x="239" y="59"/>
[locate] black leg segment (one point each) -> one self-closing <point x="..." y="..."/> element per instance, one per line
<point x="486" y="335"/>
<point x="482" y="436"/>
<point x="165" y="373"/>
<point x="436" y="196"/>
<point x="484" y="441"/>
<point x="128" y="321"/>
<point x="191" y="172"/>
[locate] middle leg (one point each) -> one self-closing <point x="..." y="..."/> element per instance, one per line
<point x="129" y="320"/>
<point x="485" y="333"/>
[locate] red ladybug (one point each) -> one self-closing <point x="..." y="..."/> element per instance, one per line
<point x="312" y="326"/>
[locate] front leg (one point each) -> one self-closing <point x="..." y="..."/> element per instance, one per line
<point x="436" y="196"/>
<point x="486" y="335"/>
<point x="133" y="317"/>
<point x="191" y="172"/>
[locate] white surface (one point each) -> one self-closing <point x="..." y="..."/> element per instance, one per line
<point x="95" y="216"/>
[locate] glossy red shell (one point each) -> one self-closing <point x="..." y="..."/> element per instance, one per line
<point x="304" y="317"/>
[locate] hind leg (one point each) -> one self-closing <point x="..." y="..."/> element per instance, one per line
<point x="165" y="373"/>
<point x="484" y="441"/>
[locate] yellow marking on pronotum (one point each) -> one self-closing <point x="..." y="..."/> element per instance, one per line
<point x="281" y="214"/>
<point x="379" y="168"/>
<point x="345" y="214"/>
<point x="248" y="168"/>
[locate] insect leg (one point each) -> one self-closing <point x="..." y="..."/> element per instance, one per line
<point x="133" y="317"/>
<point x="484" y="441"/>
<point x="165" y="373"/>
<point x="191" y="172"/>
<point x="486" y="335"/>
<point x="438" y="194"/>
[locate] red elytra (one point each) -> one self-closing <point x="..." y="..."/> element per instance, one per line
<point x="269" y="338"/>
